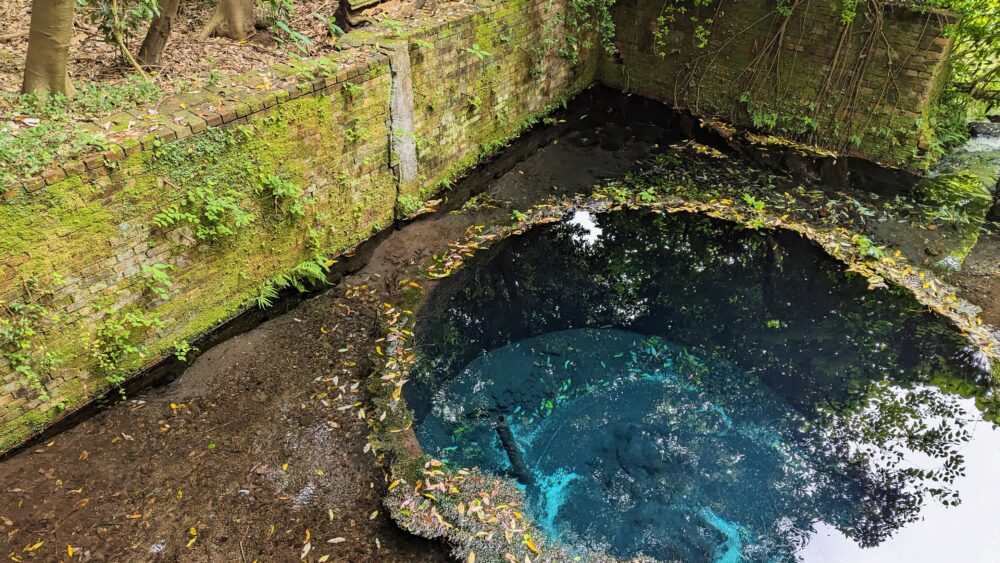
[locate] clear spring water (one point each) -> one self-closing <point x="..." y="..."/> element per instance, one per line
<point x="692" y="392"/>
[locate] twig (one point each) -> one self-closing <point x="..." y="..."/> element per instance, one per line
<point x="123" y="47"/>
<point x="13" y="36"/>
<point x="243" y="556"/>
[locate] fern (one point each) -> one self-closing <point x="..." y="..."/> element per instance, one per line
<point x="303" y="277"/>
<point x="266" y="295"/>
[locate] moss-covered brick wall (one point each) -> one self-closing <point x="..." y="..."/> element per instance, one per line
<point x="868" y="86"/>
<point x="204" y="209"/>
<point x="502" y="64"/>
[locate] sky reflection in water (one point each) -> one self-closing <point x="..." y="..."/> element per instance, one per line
<point x="691" y="391"/>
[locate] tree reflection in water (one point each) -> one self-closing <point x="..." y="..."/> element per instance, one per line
<point x="731" y="312"/>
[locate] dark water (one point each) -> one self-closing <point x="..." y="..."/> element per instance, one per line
<point x="693" y="392"/>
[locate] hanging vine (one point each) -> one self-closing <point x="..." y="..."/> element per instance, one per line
<point x="842" y="110"/>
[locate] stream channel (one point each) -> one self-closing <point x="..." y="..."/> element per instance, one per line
<point x="677" y="387"/>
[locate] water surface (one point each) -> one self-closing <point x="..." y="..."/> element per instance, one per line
<point x="681" y="388"/>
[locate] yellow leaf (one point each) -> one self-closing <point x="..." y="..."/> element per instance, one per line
<point x="324" y="559"/>
<point x="531" y="544"/>
<point x="69" y="550"/>
<point x="394" y="484"/>
<point x="34" y="547"/>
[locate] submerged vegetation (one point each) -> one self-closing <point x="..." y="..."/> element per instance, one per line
<point x="432" y="498"/>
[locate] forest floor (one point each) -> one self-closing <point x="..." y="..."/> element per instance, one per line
<point x="188" y="59"/>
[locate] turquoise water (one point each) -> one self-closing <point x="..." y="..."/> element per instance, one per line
<point x="690" y="392"/>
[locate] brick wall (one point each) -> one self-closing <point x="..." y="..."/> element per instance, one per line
<point x="868" y="87"/>
<point x="484" y="96"/>
<point x="76" y="239"/>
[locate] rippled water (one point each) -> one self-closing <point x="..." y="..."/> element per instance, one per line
<point x="686" y="390"/>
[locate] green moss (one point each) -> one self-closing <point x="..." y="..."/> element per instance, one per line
<point x="960" y="198"/>
<point x="70" y="224"/>
<point x="72" y="396"/>
<point x="65" y="219"/>
<point x="85" y="229"/>
<point x="491" y="144"/>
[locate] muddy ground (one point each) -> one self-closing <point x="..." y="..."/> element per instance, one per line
<point x="257" y="452"/>
<point x="979" y="279"/>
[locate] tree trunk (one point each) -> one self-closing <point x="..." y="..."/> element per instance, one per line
<point x="159" y="30"/>
<point x="48" y="48"/>
<point x="232" y="18"/>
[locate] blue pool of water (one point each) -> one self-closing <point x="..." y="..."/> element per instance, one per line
<point x="687" y="391"/>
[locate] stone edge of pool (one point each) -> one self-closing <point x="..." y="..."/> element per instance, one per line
<point x="482" y="515"/>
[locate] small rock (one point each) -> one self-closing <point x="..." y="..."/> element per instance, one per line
<point x="984" y="129"/>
